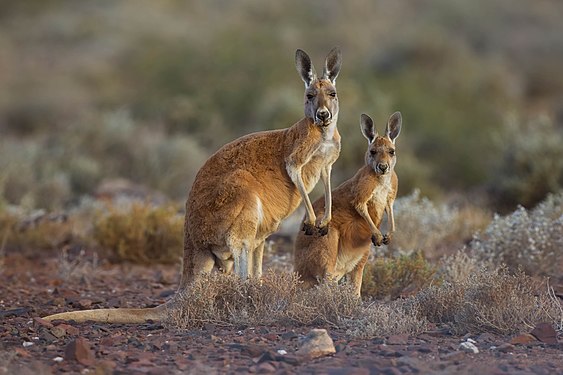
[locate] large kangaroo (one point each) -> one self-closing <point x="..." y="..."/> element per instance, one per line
<point x="357" y="210"/>
<point x="243" y="192"/>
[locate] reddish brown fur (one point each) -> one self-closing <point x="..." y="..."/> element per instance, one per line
<point x="357" y="211"/>
<point x="243" y="191"/>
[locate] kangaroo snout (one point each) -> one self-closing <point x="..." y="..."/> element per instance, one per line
<point x="323" y="115"/>
<point x="383" y="167"/>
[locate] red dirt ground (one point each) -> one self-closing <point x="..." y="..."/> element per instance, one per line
<point x="31" y="288"/>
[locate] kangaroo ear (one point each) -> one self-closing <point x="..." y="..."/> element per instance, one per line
<point x="394" y="126"/>
<point x="304" y="67"/>
<point x="333" y="63"/>
<point x="368" y="128"/>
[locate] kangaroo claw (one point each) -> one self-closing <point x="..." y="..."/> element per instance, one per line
<point x="323" y="231"/>
<point x="308" y="228"/>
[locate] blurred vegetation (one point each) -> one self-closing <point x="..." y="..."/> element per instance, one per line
<point x="147" y="90"/>
<point x="141" y="233"/>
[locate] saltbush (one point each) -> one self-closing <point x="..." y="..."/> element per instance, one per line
<point x="530" y="239"/>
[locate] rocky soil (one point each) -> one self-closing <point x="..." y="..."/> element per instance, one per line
<point x="32" y="287"/>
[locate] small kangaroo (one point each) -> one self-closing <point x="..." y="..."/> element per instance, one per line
<point x="357" y="211"/>
<point x="243" y="192"/>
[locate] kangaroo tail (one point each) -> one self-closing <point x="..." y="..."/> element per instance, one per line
<point x="121" y="315"/>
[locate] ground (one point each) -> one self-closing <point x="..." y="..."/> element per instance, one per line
<point x="35" y="287"/>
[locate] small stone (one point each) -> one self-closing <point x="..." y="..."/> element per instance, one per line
<point x="398" y="339"/>
<point x="469" y="347"/>
<point x="545" y="333"/>
<point x="506" y="347"/>
<point x="27" y="344"/>
<point x="290" y="335"/>
<point x="58" y="332"/>
<point x="281" y="352"/>
<point x="265" y="368"/>
<point x="316" y="344"/>
<point x="70" y="330"/>
<point x="523" y="339"/>
<point x="453" y="356"/>
<point x="79" y="350"/>
<point x="58" y="359"/>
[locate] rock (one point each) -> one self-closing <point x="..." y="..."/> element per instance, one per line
<point x="506" y="347"/>
<point x="43" y="322"/>
<point x="468" y="347"/>
<point x="265" y="357"/>
<point x="265" y="368"/>
<point x="289" y="335"/>
<point x="398" y="339"/>
<point x="523" y="339"/>
<point x="79" y="350"/>
<point x="253" y="351"/>
<point x="58" y="332"/>
<point x="14" y="312"/>
<point x="316" y="344"/>
<point x="453" y="356"/>
<point x="545" y="333"/>
<point x="70" y="330"/>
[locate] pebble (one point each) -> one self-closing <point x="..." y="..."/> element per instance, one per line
<point x="469" y="347"/>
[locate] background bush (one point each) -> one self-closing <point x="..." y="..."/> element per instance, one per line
<point x="148" y="90"/>
<point x="141" y="233"/>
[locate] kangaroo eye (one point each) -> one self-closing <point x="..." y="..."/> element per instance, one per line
<point x="310" y="96"/>
<point x="372" y="152"/>
<point x="392" y="152"/>
<point x="332" y="94"/>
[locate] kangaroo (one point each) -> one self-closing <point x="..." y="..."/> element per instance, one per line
<point x="357" y="210"/>
<point x="244" y="190"/>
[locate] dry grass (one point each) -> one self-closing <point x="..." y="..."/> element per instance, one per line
<point x="384" y="319"/>
<point x="490" y="300"/>
<point x="140" y="233"/>
<point x="397" y="276"/>
<point x="278" y="299"/>
<point x="37" y="231"/>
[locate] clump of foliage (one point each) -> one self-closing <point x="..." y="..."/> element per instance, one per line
<point x="490" y="300"/>
<point x="530" y="165"/>
<point x="37" y="231"/>
<point x="385" y="319"/>
<point x="140" y="233"/>
<point x="530" y="239"/>
<point x="277" y="298"/>
<point x="397" y="276"/>
<point x="422" y="225"/>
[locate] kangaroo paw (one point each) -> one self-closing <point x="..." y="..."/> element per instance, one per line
<point x="323" y="231"/>
<point x="377" y="240"/>
<point x="309" y="229"/>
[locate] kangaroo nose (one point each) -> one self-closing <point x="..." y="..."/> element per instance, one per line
<point x="323" y="114"/>
<point x="382" y="167"/>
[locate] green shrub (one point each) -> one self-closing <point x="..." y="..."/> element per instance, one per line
<point x="530" y="165"/>
<point x="140" y="233"/>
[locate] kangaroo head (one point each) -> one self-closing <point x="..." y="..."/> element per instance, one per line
<point x="380" y="155"/>
<point x="321" y="101"/>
